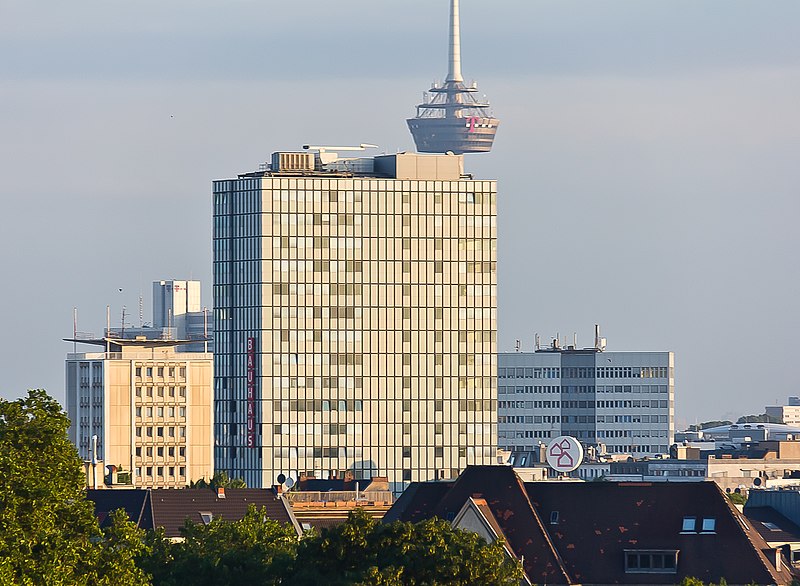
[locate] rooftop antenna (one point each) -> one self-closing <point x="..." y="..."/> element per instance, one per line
<point x="74" y="329"/>
<point x="454" y="72"/>
<point x="537" y="342"/>
<point x="141" y="309"/>
<point x="122" y="325"/>
<point x="205" y="329"/>
<point x="597" y="336"/>
<point x="517" y="345"/>
<point x="108" y="328"/>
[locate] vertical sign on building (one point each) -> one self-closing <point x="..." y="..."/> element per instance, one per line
<point x="251" y="392"/>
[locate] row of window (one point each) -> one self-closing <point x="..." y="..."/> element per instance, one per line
<point x="586" y="372"/>
<point x="160" y="370"/>
<point x="150" y="412"/>
<point x="159" y="471"/>
<point x="160" y="392"/>
<point x="148" y="431"/>
<point x="160" y="451"/>
<point x="581" y="389"/>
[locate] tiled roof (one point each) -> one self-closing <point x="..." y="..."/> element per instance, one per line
<point x="578" y="533"/>
<point x="136" y="503"/>
<point x="505" y="496"/>
<point x="169" y="508"/>
<point x="598" y="521"/>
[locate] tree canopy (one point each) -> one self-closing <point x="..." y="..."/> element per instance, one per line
<point x="48" y="532"/>
<point x="219" y="480"/>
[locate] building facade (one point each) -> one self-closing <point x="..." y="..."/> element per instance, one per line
<point x="355" y="319"/>
<point x="619" y="402"/>
<point x="150" y="407"/>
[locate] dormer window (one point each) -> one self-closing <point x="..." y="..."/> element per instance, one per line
<point x="651" y="561"/>
<point x="689" y="525"/>
<point x="709" y="525"/>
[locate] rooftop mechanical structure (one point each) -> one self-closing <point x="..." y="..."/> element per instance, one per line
<point x="451" y="117"/>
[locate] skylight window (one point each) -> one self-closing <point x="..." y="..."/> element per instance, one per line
<point x="689" y="525"/>
<point x="770" y="526"/>
<point x="709" y="524"/>
<point x="554" y="518"/>
<point x="206" y="517"/>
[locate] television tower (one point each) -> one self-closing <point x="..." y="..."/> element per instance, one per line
<point x="451" y="118"/>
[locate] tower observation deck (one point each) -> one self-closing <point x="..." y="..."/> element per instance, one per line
<point x="451" y="117"/>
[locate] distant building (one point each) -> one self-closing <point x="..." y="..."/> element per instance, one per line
<point x="149" y="406"/>
<point x="788" y="414"/>
<point x="355" y="318"/>
<point x="618" y="402"/>
<point x="177" y="315"/>
<point x="602" y="532"/>
<point x="734" y="468"/>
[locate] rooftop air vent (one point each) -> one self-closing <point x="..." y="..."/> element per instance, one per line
<point x="283" y="162"/>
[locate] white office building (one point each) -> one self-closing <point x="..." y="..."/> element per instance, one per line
<point x="619" y="402"/>
<point x="355" y="319"/>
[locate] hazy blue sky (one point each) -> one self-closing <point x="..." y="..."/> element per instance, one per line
<point x="647" y="160"/>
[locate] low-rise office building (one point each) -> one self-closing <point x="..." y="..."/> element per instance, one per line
<point x="150" y="408"/>
<point x="619" y="402"/>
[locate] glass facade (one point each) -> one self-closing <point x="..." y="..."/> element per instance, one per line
<point x="355" y="326"/>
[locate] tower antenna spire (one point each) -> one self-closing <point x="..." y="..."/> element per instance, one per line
<point x="454" y="72"/>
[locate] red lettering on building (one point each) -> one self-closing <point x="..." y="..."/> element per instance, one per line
<point x="251" y="392"/>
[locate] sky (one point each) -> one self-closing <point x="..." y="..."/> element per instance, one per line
<point x="647" y="162"/>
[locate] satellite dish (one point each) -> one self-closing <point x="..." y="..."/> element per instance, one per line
<point x="289" y="482"/>
<point x="756" y="481"/>
<point x="281" y="478"/>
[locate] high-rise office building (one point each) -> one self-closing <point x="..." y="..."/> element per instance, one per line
<point x="149" y="406"/>
<point x="620" y="402"/>
<point x="355" y="318"/>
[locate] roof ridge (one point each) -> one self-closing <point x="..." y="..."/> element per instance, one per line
<point x="540" y="525"/>
<point x="750" y="533"/>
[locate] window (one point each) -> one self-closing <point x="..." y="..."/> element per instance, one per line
<point x="554" y="518"/>
<point x="406" y="475"/>
<point x="689" y="524"/>
<point x="651" y="561"/>
<point x="709" y="525"/>
<point x="206" y="517"/>
<point x="406" y="452"/>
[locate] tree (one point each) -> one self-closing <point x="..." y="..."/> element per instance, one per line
<point x="708" y="424"/>
<point x="219" y="480"/>
<point x="763" y="418"/>
<point x="363" y="551"/>
<point x="46" y="524"/>
<point x="48" y="532"/>
<point x="253" y="550"/>
<point x="119" y="552"/>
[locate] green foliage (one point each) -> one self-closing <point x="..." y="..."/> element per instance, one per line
<point x="763" y="418"/>
<point x="47" y="527"/>
<point x="48" y="532"/>
<point x="709" y="424"/>
<point x="219" y="480"/>
<point x="253" y="550"/>
<point x="361" y="551"/>
<point x="691" y="581"/>
<point x="120" y="549"/>
<point x="737" y="498"/>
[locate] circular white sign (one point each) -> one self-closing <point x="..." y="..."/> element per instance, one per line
<point x="564" y="453"/>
